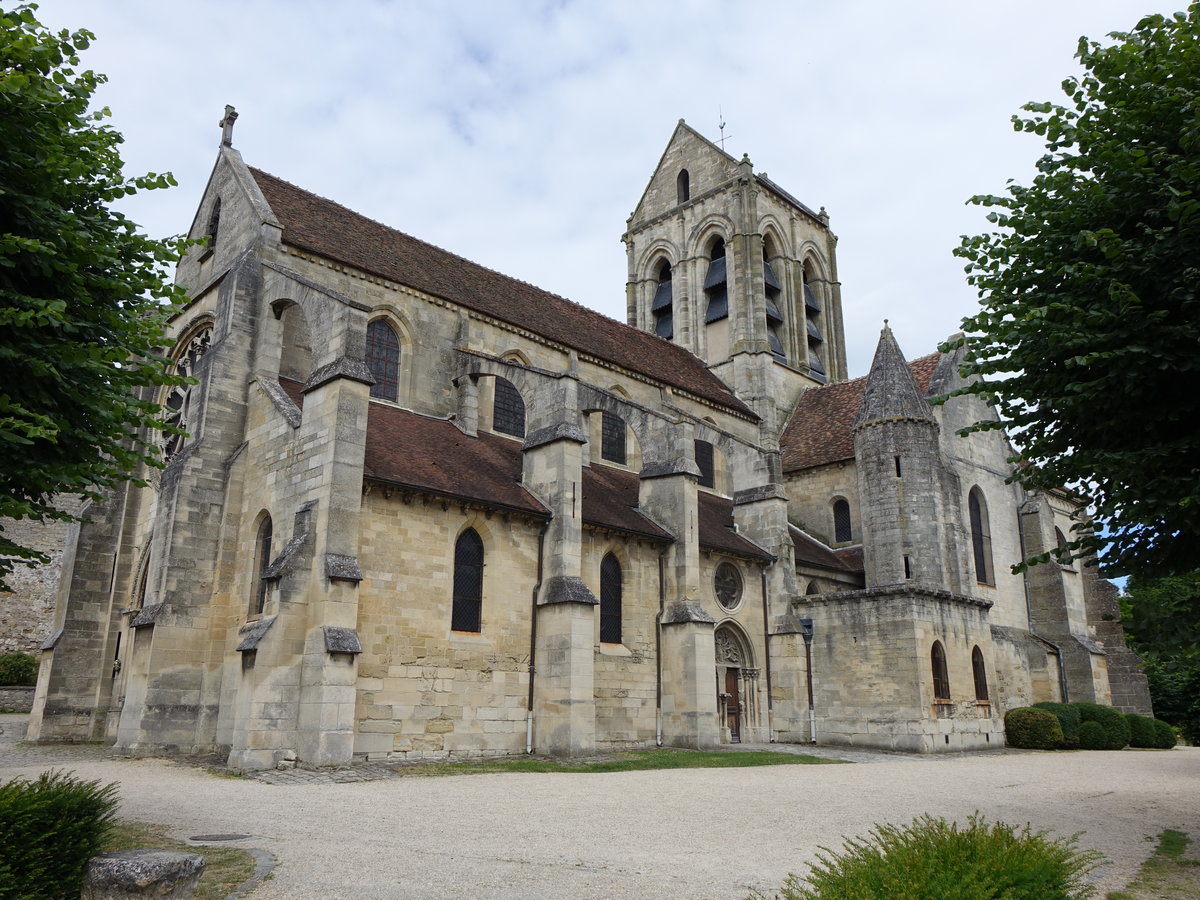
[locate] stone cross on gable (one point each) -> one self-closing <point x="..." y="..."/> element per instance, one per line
<point x="227" y="126"/>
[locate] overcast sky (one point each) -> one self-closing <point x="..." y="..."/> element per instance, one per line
<point x="521" y="134"/>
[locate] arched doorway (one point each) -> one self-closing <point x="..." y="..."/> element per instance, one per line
<point x="737" y="684"/>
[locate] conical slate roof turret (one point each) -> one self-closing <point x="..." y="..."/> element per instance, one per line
<point x="891" y="392"/>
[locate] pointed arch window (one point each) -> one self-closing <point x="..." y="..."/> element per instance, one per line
<point x="981" y="537"/>
<point x="980" y="673"/>
<point x="716" y="284"/>
<point x="262" y="559"/>
<point x="704" y="462"/>
<point x="683" y="186"/>
<point x="773" y="290"/>
<point x="612" y="438"/>
<point x="508" y="409"/>
<point x="661" y="308"/>
<point x="941" y="676"/>
<point x="383" y="359"/>
<point x="467" y="611"/>
<point x="842" y="530"/>
<point x="610" y="600"/>
<point x="178" y="402"/>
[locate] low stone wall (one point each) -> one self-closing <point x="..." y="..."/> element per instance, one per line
<point x="16" y="699"/>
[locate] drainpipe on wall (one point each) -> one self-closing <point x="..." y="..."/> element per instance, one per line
<point x="806" y="632"/>
<point x="1058" y="651"/>
<point x="533" y="637"/>
<point x="662" y="602"/>
<point x="767" y="645"/>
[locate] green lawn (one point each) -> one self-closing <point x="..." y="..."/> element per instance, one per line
<point x="635" y="760"/>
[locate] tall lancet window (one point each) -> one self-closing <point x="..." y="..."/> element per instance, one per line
<point x="716" y="284"/>
<point x="661" y="308"/>
<point x="772" y="289"/>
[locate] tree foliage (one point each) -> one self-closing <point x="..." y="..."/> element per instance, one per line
<point x="1087" y="336"/>
<point x="83" y="297"/>
<point x="1161" y="617"/>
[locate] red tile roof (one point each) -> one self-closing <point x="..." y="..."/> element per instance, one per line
<point x="819" y="431"/>
<point x="811" y="552"/>
<point x="716" y="528"/>
<point x="432" y="455"/>
<point x="610" y="499"/>
<point x="323" y="227"/>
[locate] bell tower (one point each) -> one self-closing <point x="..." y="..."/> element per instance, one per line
<point x="726" y="263"/>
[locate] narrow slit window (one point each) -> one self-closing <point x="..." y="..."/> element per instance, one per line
<point x="941" y="676"/>
<point x="981" y="537"/>
<point x="467" y="612"/>
<point x="898" y="473"/>
<point x="980" y="673"/>
<point x="841" y="521"/>
<point x="262" y="559"/>
<point x="610" y="600"/>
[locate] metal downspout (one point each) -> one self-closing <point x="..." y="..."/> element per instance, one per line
<point x="533" y="637"/>
<point x="662" y="601"/>
<point x="767" y="646"/>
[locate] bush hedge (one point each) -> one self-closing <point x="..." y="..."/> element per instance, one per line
<point x="49" y="829"/>
<point x="1092" y="736"/>
<point x="1032" y="729"/>
<point x="1116" y="728"/>
<point x="17" y="668"/>
<point x="933" y="858"/>
<point x="1068" y="718"/>
<point x="1141" y="731"/>
<point x="1164" y="735"/>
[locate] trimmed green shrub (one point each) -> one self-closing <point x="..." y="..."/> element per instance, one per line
<point x="1032" y="729"/>
<point x="1164" y="735"/>
<point x="933" y="858"/>
<point x="1068" y="718"/>
<point x="1092" y="736"/>
<point x="18" y="668"/>
<point x="49" y="829"/>
<point x="1141" y="731"/>
<point x="1116" y="729"/>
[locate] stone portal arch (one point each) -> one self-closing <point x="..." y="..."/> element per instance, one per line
<point x="737" y="684"/>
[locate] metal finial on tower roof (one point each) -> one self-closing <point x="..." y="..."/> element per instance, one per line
<point x="227" y="126"/>
<point x="721" y="125"/>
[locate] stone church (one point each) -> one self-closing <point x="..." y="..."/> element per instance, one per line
<point x="423" y="509"/>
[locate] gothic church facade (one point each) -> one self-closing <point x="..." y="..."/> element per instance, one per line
<point x="422" y="509"/>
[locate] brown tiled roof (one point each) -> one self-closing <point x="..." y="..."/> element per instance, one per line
<point x="330" y="230"/>
<point x="432" y="455"/>
<point x="819" y="431"/>
<point x="716" y="528"/>
<point x="610" y="499"/>
<point x="811" y="552"/>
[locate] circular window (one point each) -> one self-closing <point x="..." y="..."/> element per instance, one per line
<point x="727" y="582"/>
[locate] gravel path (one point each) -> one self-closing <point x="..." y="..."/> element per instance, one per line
<point x="663" y="834"/>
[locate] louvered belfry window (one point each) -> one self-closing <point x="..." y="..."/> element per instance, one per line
<point x="508" y="410"/>
<point x="383" y="359"/>
<point x="716" y="284"/>
<point x="467" y="613"/>
<point x="610" y="600"/>
<point x="661" y="306"/>
<point x="773" y="290"/>
<point x="612" y="437"/>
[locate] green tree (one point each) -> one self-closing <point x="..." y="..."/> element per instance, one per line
<point x="83" y="294"/>
<point x="1161" y="617"/>
<point x="1087" y="338"/>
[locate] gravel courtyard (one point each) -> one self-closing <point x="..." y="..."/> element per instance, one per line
<point x="661" y="834"/>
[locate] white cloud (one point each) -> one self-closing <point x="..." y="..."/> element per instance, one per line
<point x="521" y="135"/>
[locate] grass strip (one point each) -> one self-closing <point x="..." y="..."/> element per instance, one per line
<point x="632" y="761"/>
<point x="225" y="867"/>
<point x="1168" y="873"/>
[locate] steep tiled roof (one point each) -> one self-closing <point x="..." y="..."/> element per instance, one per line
<point x="811" y="552"/>
<point x="716" y="528"/>
<point x="610" y="498"/>
<point x="819" y="431"/>
<point x="432" y="455"/>
<point x="323" y="227"/>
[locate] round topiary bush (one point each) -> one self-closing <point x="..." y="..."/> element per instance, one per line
<point x="1092" y="736"/>
<point x="1068" y="718"/>
<point x="1032" y="729"/>
<point x="1116" y="729"/>
<point x="18" y="668"/>
<point x="935" y="858"/>
<point x="1164" y="735"/>
<point x="1141" y="731"/>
